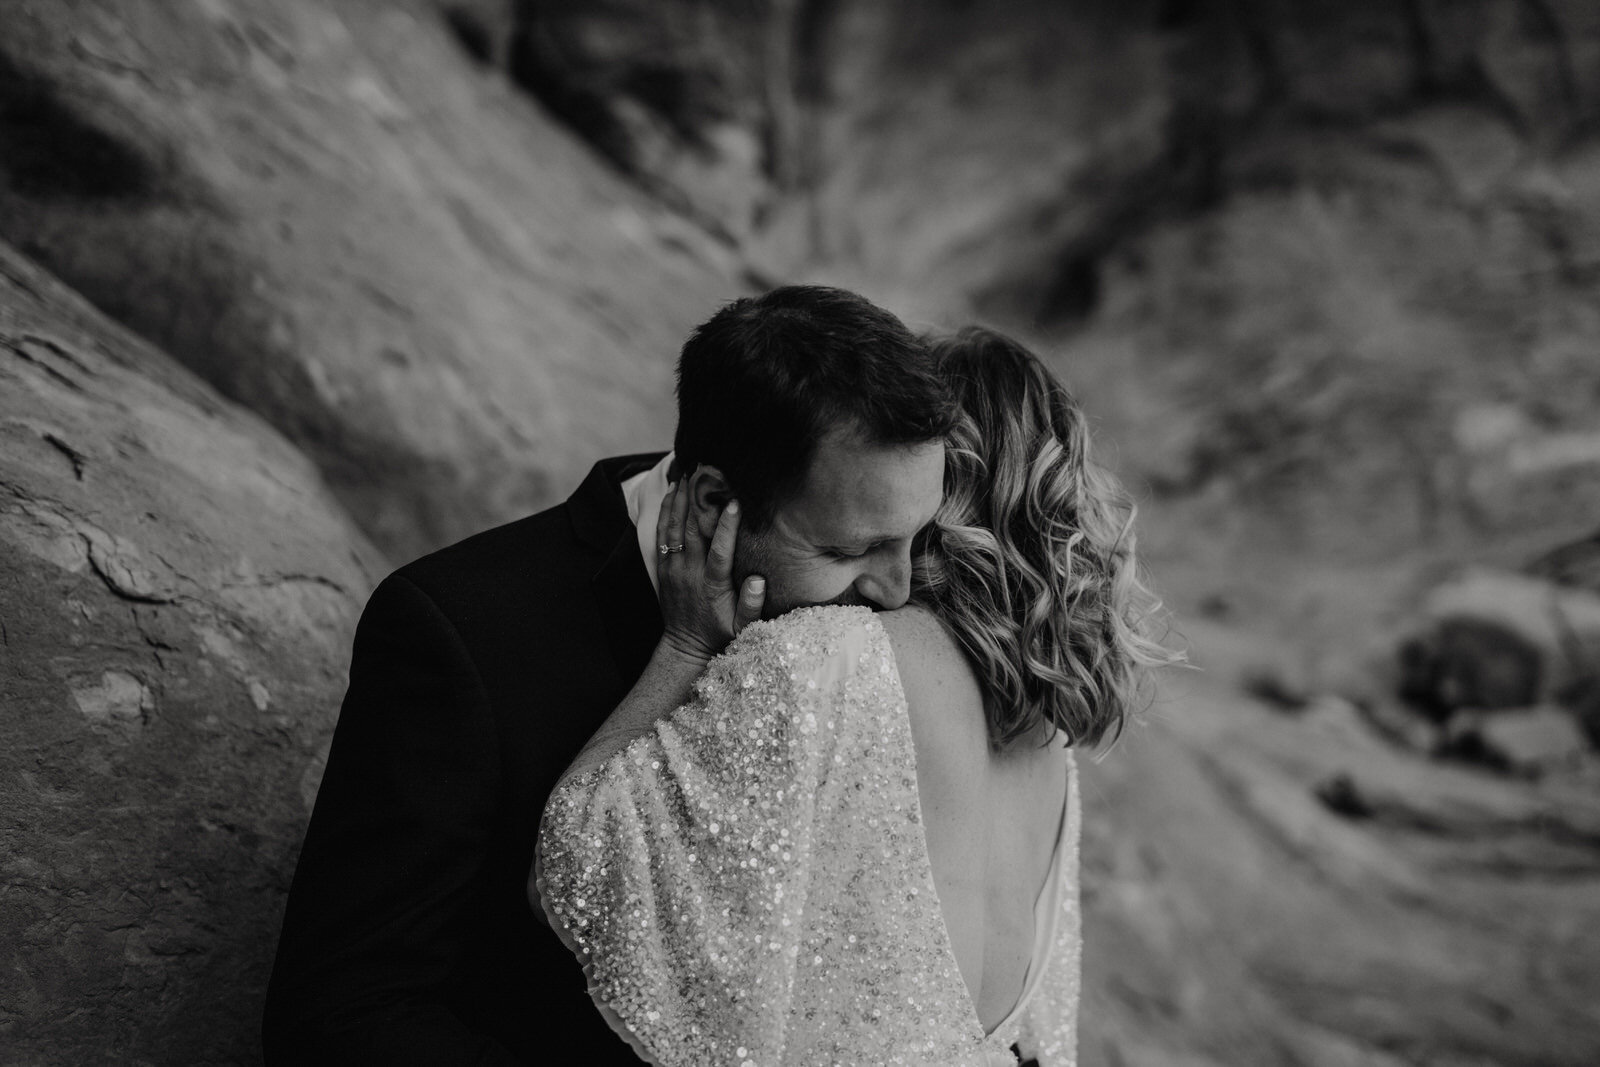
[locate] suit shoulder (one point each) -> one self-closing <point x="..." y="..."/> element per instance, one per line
<point x="553" y="548"/>
<point x="505" y="553"/>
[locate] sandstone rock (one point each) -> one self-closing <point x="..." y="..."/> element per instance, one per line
<point x="1491" y="640"/>
<point x="1561" y="623"/>
<point x="177" y="595"/>
<point x="1584" y="702"/>
<point x="339" y="220"/>
<point x="484" y="28"/>
<point x="1522" y="741"/>
<point x="1576" y="564"/>
<point x="1462" y="661"/>
<point x="1286" y="245"/>
<point x="690" y="100"/>
<point x="1269" y="889"/>
<point x="1400" y="723"/>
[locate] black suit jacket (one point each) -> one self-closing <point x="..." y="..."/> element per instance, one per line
<point x="478" y="674"/>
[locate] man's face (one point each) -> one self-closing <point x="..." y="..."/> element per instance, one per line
<point x="845" y="537"/>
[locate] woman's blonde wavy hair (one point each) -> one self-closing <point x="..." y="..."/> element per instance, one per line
<point x="1030" y="560"/>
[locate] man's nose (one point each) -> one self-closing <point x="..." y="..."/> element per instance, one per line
<point x="889" y="584"/>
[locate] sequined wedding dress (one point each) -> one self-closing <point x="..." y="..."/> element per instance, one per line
<point x="749" y="883"/>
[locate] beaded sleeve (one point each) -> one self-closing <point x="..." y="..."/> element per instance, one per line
<point x="748" y="883"/>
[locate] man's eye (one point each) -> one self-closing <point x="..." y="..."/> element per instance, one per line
<point x="839" y="553"/>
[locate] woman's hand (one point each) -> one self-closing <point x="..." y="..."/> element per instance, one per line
<point x="702" y="612"/>
<point x="700" y="606"/>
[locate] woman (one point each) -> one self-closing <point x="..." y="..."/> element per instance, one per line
<point x="857" y="843"/>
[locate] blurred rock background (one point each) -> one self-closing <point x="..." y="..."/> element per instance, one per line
<point x="292" y="291"/>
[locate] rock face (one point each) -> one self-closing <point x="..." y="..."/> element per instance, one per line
<point x="1528" y="741"/>
<point x="1327" y="264"/>
<point x="690" y="104"/>
<point x="337" y="217"/>
<point x="1266" y="889"/>
<point x="1462" y="661"/>
<point x="1575" y="564"/>
<point x="1559" y="625"/>
<point x="1497" y="667"/>
<point x="177" y="595"/>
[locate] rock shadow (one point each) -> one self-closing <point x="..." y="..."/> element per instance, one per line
<point x="48" y="151"/>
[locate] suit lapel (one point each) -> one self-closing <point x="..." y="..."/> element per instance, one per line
<point x="621" y="586"/>
<point x="629" y="607"/>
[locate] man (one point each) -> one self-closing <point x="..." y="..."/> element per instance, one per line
<point x="480" y="671"/>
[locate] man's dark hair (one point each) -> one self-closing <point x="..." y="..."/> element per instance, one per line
<point x="767" y="377"/>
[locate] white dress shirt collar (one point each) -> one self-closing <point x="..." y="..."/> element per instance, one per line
<point x="643" y="494"/>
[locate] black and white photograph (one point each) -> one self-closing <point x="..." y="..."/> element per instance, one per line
<point x="800" y="533"/>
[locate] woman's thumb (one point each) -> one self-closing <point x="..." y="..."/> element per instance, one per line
<point x="752" y="598"/>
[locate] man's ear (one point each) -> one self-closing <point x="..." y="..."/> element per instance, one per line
<point x="709" y="493"/>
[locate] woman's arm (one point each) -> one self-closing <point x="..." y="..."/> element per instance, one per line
<point x="701" y="614"/>
<point x="645" y="868"/>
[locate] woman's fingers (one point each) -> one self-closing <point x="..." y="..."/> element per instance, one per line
<point x="719" y="558"/>
<point x="752" y="598"/>
<point x="702" y="606"/>
<point x="676" y="519"/>
<point x="664" y="517"/>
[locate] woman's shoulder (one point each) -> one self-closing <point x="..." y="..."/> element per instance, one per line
<point x="944" y="699"/>
<point x="933" y="667"/>
<point x="918" y="630"/>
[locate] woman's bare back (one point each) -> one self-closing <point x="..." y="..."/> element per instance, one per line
<point x="991" y="819"/>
